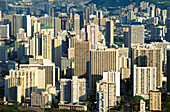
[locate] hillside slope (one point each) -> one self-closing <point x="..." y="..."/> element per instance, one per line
<point x="114" y="3"/>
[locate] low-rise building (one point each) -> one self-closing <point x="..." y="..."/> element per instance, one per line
<point x="43" y="100"/>
<point x="155" y="100"/>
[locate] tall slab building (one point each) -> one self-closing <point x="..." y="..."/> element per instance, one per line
<point x="102" y="60"/>
<point x="82" y="58"/>
<point x="149" y="57"/>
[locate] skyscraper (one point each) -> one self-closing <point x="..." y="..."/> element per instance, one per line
<point x="149" y="57"/>
<point x="92" y="33"/>
<point x="64" y="23"/>
<point x="43" y="46"/>
<point x="77" y="24"/>
<point x="109" y="33"/>
<point x="157" y="33"/>
<point x="72" y="90"/>
<point x="110" y="85"/>
<point x="57" y="26"/>
<point x="126" y="38"/>
<point x="87" y="14"/>
<point x="102" y="60"/>
<point x="81" y="13"/>
<point x="82" y="58"/>
<point x="144" y="80"/>
<point x="21" y="21"/>
<point x="152" y="10"/>
<point x="136" y="33"/>
<point x="57" y="51"/>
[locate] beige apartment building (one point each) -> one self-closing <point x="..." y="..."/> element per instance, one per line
<point x="155" y="100"/>
<point x="144" y="80"/>
<point x="77" y="24"/>
<point x="43" y="64"/>
<point x="149" y="56"/>
<point x="21" y="83"/>
<point x="82" y="58"/>
<point x="43" y="99"/>
<point x="109" y="88"/>
<point x="102" y="60"/>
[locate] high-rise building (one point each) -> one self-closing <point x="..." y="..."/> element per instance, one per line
<point x="131" y="15"/>
<point x="72" y="90"/>
<point x="35" y="25"/>
<point x="99" y="14"/>
<point x="81" y="13"/>
<point x="21" y="83"/>
<point x="156" y="33"/>
<point x="4" y="32"/>
<point x="57" y="26"/>
<point x="152" y="10"/>
<point x="144" y="80"/>
<point x="109" y="86"/>
<point x="82" y="58"/>
<point x="43" y="64"/>
<point x="155" y="100"/>
<point x="47" y="21"/>
<point x="92" y="33"/>
<point x="102" y="60"/>
<point x="21" y="21"/>
<point x="64" y="23"/>
<point x="43" y="46"/>
<point x="126" y="38"/>
<point x="57" y="51"/>
<point x="87" y="14"/>
<point x="8" y="19"/>
<point x="77" y="24"/>
<point x="149" y="57"/>
<point x="67" y="67"/>
<point x="136" y="33"/>
<point x="109" y="33"/>
<point x="164" y="46"/>
<point x="3" y="53"/>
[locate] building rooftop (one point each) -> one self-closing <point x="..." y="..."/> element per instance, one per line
<point x="47" y="27"/>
